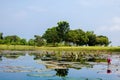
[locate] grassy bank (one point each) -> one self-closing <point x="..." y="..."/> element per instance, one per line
<point x="16" y="47"/>
<point x="85" y="48"/>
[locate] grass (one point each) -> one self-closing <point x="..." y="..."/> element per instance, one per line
<point x="16" y="47"/>
<point x="85" y="48"/>
<point x="81" y="48"/>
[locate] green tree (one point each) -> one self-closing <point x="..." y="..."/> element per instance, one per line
<point x="51" y="36"/>
<point x="23" y="42"/>
<point x="72" y="36"/>
<point x="91" y="38"/>
<point x="102" y="40"/>
<point x="13" y="39"/>
<point x="1" y="41"/>
<point x="1" y="36"/>
<point x="62" y="29"/>
<point x="77" y="36"/>
<point x="31" y="42"/>
<point x="39" y="41"/>
<point x="82" y="37"/>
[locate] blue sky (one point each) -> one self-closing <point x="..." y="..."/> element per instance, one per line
<point x="27" y="18"/>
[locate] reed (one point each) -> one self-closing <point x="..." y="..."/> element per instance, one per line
<point x="80" y="48"/>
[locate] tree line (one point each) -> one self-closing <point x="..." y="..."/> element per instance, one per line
<point x="59" y="35"/>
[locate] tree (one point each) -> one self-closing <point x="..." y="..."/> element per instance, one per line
<point x="39" y="41"/>
<point x="77" y="36"/>
<point x="62" y="29"/>
<point x="51" y="35"/>
<point x="91" y="38"/>
<point x="102" y="40"/>
<point x="1" y="36"/>
<point x="72" y="36"/>
<point x="13" y="39"/>
<point x="31" y="42"/>
<point x="23" y="42"/>
<point x="82" y="37"/>
<point x="1" y="41"/>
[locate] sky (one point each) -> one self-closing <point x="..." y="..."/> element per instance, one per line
<point x="27" y="18"/>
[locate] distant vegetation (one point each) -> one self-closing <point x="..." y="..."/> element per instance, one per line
<point x="60" y="35"/>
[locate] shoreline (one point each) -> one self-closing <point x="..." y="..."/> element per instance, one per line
<point x="63" y="48"/>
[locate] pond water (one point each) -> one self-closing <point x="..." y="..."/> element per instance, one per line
<point x="37" y="66"/>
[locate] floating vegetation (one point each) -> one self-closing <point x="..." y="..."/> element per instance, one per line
<point x="77" y="56"/>
<point x="12" y="56"/>
<point x="41" y="75"/>
<point x="21" y="69"/>
<point x="55" y="65"/>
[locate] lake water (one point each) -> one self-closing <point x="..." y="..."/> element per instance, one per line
<point x="27" y="66"/>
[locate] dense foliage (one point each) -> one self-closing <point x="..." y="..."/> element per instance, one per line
<point x="61" y="34"/>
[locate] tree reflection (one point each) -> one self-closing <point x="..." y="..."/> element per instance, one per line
<point x="0" y="57"/>
<point x="61" y="72"/>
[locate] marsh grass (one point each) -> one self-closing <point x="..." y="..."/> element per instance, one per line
<point x="16" y="47"/>
<point x="80" y="48"/>
<point x="84" y="48"/>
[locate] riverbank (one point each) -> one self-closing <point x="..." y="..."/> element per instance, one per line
<point x="80" y="48"/>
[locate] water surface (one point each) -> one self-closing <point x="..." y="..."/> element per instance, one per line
<point x="37" y="66"/>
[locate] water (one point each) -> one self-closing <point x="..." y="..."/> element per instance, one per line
<point x="27" y="67"/>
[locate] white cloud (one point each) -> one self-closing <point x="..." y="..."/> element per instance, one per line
<point x="112" y="30"/>
<point x="116" y="20"/>
<point x="114" y="27"/>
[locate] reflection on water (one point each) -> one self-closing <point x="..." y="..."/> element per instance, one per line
<point x="58" y="65"/>
<point x="61" y="72"/>
<point x="108" y="69"/>
<point x="0" y="57"/>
